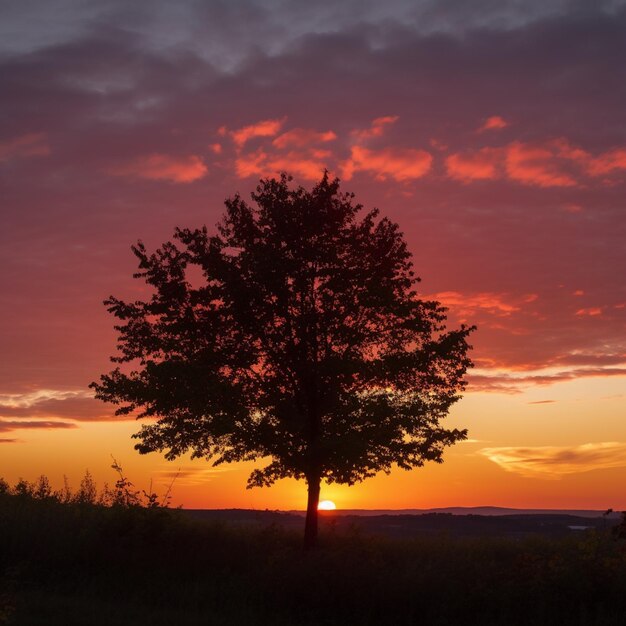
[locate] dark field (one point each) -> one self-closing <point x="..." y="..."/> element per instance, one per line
<point x="86" y="564"/>
<point x="410" y="526"/>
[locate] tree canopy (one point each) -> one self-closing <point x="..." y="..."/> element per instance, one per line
<point x="293" y="333"/>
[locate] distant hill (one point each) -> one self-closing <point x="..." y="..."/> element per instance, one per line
<point x="475" y="510"/>
<point x="475" y="522"/>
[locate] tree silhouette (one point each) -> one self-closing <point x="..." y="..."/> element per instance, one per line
<point x="294" y="333"/>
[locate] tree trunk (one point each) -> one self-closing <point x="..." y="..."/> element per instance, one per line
<point x="310" y="525"/>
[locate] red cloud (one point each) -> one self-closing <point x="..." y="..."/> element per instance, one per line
<point x="164" y="167"/>
<point x="480" y="165"/>
<point x="261" y="163"/>
<point x="607" y="162"/>
<point x="495" y="122"/>
<point x="251" y="164"/>
<point x="264" y="128"/>
<point x="506" y="382"/>
<point x="590" y="312"/>
<point x="301" y="137"/>
<point x="401" y="164"/>
<point x="552" y="163"/>
<point x="603" y="164"/>
<point x="32" y="144"/>
<point x="537" y="164"/>
<point x="377" y="128"/>
<point x="308" y="168"/>
<point x="492" y="303"/>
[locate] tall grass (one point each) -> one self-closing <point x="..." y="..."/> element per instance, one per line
<point x="78" y="558"/>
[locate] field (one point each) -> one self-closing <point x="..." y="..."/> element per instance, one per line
<point x="83" y="563"/>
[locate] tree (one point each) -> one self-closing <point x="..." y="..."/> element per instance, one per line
<point x="293" y="333"/>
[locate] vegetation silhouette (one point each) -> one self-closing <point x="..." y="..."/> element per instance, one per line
<point x="305" y="342"/>
<point x="65" y="561"/>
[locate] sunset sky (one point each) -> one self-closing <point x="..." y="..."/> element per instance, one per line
<point x="494" y="133"/>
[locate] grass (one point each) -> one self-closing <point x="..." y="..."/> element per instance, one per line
<point x="70" y="561"/>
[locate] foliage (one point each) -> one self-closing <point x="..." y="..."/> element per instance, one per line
<point x="124" y="495"/>
<point x="620" y="529"/>
<point x="304" y="342"/>
<point x="87" y="491"/>
<point x="88" y="564"/>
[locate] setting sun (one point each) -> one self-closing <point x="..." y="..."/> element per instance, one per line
<point x="326" y="505"/>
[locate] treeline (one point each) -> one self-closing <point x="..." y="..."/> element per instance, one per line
<point x="123" y="493"/>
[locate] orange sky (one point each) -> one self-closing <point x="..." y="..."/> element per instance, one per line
<point x="495" y="138"/>
<point x="538" y="432"/>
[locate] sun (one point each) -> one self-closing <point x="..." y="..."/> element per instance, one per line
<point x="326" y="505"/>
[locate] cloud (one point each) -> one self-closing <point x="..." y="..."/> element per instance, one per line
<point x="552" y="462"/>
<point x="24" y="146"/>
<point x="51" y="403"/>
<point x="514" y="382"/>
<point x="264" y="128"/>
<point x="165" y="79"/>
<point x="33" y="398"/>
<point x="10" y="425"/>
<point x="308" y="161"/>
<point x="484" y="164"/>
<point x="494" y="122"/>
<point x="309" y="166"/>
<point x="595" y="166"/>
<point x="607" y="162"/>
<point x="589" y="312"/>
<point x="6" y="440"/>
<point x="41" y="409"/>
<point x="540" y="331"/>
<point x="543" y="402"/>
<point x="301" y="137"/>
<point x="588" y="358"/>
<point x="548" y="163"/>
<point x="536" y="165"/>
<point x="191" y="475"/>
<point x="497" y="304"/>
<point x="376" y="129"/>
<point x="251" y="164"/>
<point x="163" y="167"/>
<point x="400" y="164"/>
<point x="226" y="34"/>
<point x="544" y="164"/>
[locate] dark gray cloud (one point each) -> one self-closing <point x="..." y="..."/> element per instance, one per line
<point x="507" y="383"/>
<point x="225" y="33"/>
<point x="10" y="425"/>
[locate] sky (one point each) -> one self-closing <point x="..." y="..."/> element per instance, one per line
<point x="493" y="132"/>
